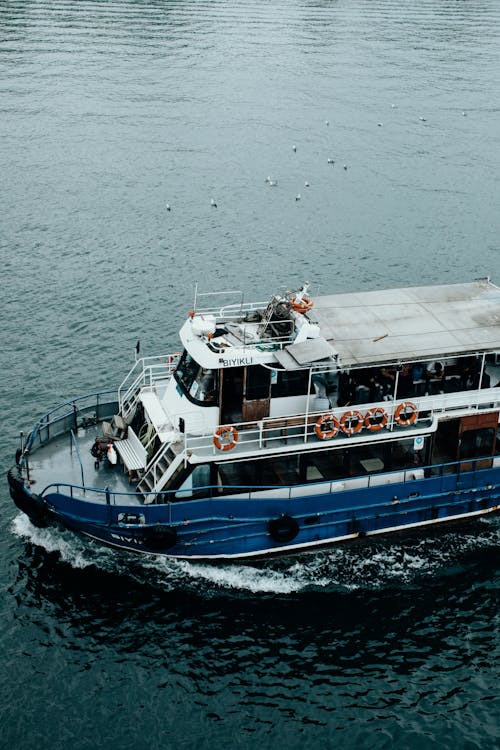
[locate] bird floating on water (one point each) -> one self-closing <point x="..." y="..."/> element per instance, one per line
<point x="331" y="161"/>
<point x="294" y="147"/>
<point x="306" y="184"/>
<point x="345" y="166"/>
<point x="213" y="203"/>
<point x="167" y="206"/>
<point x="422" y="119"/>
<point x="327" y="122"/>
<point x="297" y="197"/>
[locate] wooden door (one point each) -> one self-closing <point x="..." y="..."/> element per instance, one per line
<point x="257" y="393"/>
<point x="477" y="438"/>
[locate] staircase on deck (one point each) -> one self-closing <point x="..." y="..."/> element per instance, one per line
<point x="155" y="473"/>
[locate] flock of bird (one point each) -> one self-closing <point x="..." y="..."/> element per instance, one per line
<point x="273" y="182"/>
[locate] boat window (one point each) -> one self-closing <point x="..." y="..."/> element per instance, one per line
<point x="257" y="382"/>
<point x="477" y="443"/>
<point x="198" y="383"/>
<point x="290" y="383"/>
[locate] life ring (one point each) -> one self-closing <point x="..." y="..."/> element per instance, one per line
<point x="283" y="529"/>
<point x="301" y="305"/>
<point x="225" y="438"/>
<point x="376" y="419"/>
<point x="406" y="413"/>
<point x="326" y="427"/>
<point x="348" y="418"/>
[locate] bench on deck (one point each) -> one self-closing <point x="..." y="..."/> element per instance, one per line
<point x="131" y="451"/>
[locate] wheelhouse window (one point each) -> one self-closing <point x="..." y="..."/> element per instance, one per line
<point x="198" y="383"/>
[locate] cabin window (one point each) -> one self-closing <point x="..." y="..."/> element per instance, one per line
<point x="198" y="383"/>
<point x="477" y="443"/>
<point x="257" y="383"/>
<point x="290" y="383"/>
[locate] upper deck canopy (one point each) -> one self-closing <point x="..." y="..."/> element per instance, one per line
<point x="410" y="324"/>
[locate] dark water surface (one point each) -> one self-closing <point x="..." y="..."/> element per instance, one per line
<point x="111" y="110"/>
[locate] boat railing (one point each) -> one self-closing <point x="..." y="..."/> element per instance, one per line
<point x="78" y="412"/>
<point x="147" y="371"/>
<point x="341" y="424"/>
<point x="445" y="472"/>
<point x="224" y="309"/>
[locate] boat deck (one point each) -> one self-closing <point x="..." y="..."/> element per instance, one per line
<point x="58" y="458"/>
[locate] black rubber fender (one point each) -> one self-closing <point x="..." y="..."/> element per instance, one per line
<point x="159" y="538"/>
<point x="283" y="529"/>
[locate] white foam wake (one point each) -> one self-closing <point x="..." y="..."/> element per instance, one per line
<point x="373" y="564"/>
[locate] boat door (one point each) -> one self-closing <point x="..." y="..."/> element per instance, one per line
<point x="231" y="394"/>
<point x="477" y="437"/>
<point x="245" y="394"/>
<point x="257" y="393"/>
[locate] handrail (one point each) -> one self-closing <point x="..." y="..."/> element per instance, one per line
<point x="270" y="429"/>
<point x="249" y="492"/>
<point x="45" y="421"/>
<point x="75" y="443"/>
<point x="152" y="466"/>
<point x="151" y="370"/>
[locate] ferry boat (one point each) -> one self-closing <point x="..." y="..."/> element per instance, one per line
<point x="283" y="427"/>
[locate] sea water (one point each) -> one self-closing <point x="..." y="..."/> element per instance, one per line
<point x="121" y="124"/>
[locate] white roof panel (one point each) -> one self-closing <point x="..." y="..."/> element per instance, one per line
<point x="410" y="323"/>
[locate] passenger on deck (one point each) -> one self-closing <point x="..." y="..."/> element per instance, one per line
<point x="405" y="381"/>
<point x="387" y="379"/>
<point x="435" y="375"/>
<point x="470" y="369"/>
<point x="368" y="378"/>
<point x="345" y="392"/>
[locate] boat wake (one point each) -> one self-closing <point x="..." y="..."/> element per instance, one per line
<point x="370" y="565"/>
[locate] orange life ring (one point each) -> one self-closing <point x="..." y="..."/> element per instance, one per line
<point x="328" y="421"/>
<point x="346" y="422"/>
<point x="302" y="305"/>
<point x="375" y="419"/>
<point x="400" y="415"/>
<point x="225" y="438"/>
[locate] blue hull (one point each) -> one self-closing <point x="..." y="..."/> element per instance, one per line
<point x="232" y="528"/>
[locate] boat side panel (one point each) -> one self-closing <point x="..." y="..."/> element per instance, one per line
<point x="229" y="526"/>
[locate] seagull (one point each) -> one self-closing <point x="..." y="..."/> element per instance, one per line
<point x="393" y="106"/>
<point x="297" y="197"/>
<point x="380" y="124"/>
<point x="167" y="206"/>
<point x="331" y="161"/>
<point x="306" y="184"/>
<point x="213" y="203"/>
<point x="345" y="166"/>
<point x="294" y="148"/>
<point x="464" y="114"/>
<point x="272" y="183"/>
<point x="327" y="122"/>
<point x="422" y="119"/>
